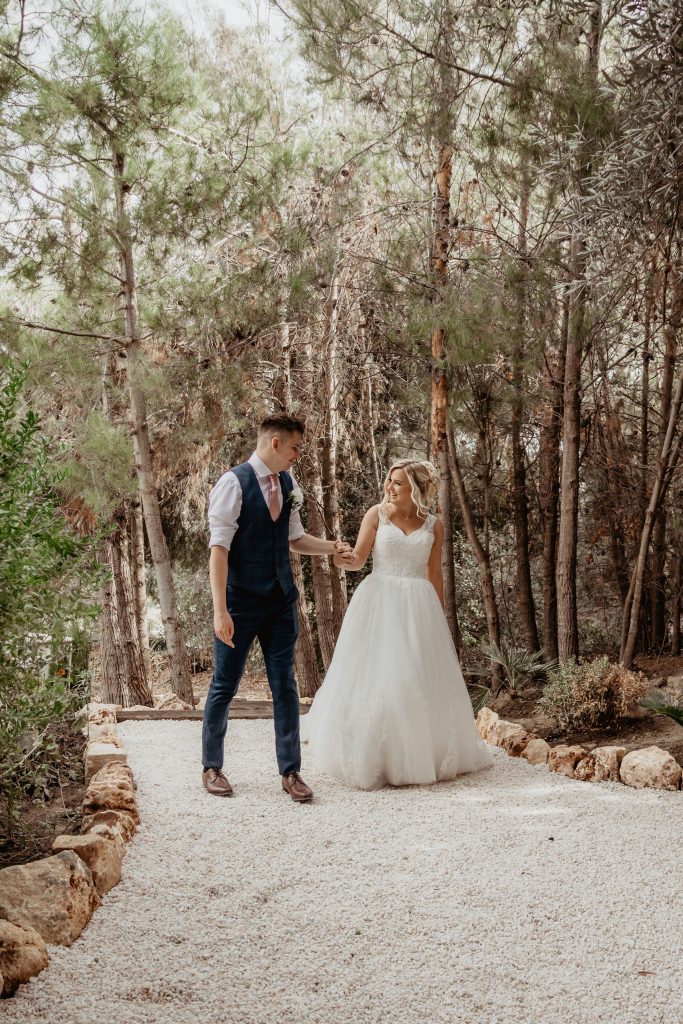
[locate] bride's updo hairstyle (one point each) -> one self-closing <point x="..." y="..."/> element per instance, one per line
<point x="424" y="482"/>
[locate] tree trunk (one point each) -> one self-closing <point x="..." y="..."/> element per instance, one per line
<point x="525" y="596"/>
<point x="549" y="481"/>
<point x="136" y="530"/>
<point x="124" y="675"/>
<point x="483" y="559"/>
<point x="567" y="618"/>
<point x="179" y="663"/>
<point x="666" y="465"/>
<point x="615" y="462"/>
<point x="305" y="657"/>
<point x="567" y="613"/>
<point x="676" y="587"/>
<point x="439" y="400"/>
<point x="658" y="562"/>
<point x="329" y="448"/>
<point x="320" y="567"/>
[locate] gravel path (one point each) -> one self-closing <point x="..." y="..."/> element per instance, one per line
<point x="511" y="897"/>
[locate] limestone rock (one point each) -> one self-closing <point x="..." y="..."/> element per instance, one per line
<point x="23" y="954"/>
<point x="56" y="896"/>
<point x="98" y="714"/>
<point x="585" y="769"/>
<point x="99" y="754"/>
<point x="650" y="768"/>
<point x="536" y="751"/>
<point x="607" y="761"/>
<point x="116" y="821"/>
<point x="103" y="853"/>
<point x="171" y="702"/>
<point x="503" y="734"/>
<point x="515" y="743"/>
<point x="105" y="734"/>
<point x="675" y="685"/>
<point x="111" y="789"/>
<point x="485" y="719"/>
<point x="563" y="759"/>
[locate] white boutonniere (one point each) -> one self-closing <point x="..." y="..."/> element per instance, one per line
<point x="296" y="497"/>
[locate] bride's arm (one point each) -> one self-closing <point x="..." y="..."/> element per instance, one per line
<point x="434" y="564"/>
<point x="364" y="541"/>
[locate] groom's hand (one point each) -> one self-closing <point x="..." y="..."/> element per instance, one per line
<point x="223" y="627"/>
<point x="343" y="553"/>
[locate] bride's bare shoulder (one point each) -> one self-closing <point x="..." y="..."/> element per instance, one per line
<point x="373" y="515"/>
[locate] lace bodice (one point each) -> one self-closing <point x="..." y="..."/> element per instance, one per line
<point x="398" y="554"/>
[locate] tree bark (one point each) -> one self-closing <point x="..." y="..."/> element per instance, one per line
<point x="549" y="481"/>
<point x="567" y="613"/>
<point x="483" y="559"/>
<point x="439" y="397"/>
<point x="666" y="465"/>
<point x="178" y="660"/>
<point x="676" y="588"/>
<point x="658" y="561"/>
<point x="525" y="596"/>
<point x="330" y="440"/>
<point x="124" y="675"/>
<point x="136" y="529"/>
<point x="567" y="617"/>
<point x="305" y="656"/>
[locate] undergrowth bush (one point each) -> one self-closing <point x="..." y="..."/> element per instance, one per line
<point x="44" y="601"/>
<point x="591" y="693"/>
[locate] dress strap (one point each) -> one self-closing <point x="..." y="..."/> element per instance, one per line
<point x="382" y="511"/>
<point x="429" y="523"/>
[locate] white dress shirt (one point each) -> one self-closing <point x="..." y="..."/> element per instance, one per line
<point x="225" y="504"/>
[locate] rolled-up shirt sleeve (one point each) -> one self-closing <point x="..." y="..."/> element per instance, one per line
<point x="296" y="529"/>
<point x="225" y="503"/>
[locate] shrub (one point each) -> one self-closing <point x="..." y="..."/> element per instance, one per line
<point x="591" y="693"/>
<point x="43" y="599"/>
<point x="518" y="664"/>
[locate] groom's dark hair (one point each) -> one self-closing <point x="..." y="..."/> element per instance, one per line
<point x="282" y="423"/>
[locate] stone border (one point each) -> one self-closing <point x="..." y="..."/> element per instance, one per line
<point x="647" y="768"/>
<point x="50" y="901"/>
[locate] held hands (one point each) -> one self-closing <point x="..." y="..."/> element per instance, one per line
<point x="343" y="554"/>
<point x="223" y="627"/>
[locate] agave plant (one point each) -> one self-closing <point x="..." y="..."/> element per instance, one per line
<point x="657" y="701"/>
<point x="517" y="663"/>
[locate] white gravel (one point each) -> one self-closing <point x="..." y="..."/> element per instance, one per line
<point x="511" y="896"/>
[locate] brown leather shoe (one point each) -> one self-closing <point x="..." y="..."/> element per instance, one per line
<point x="293" y="784"/>
<point x="216" y="783"/>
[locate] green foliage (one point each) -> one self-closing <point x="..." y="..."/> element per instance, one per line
<point x="43" y="598"/>
<point x="592" y="693"/>
<point x="479" y="695"/>
<point x="518" y="663"/>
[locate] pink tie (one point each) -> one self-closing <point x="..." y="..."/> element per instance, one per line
<point x="274" y="496"/>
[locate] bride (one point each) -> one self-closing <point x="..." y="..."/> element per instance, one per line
<point x="394" y="709"/>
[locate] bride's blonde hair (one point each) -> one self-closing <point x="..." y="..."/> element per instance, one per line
<point x="424" y="483"/>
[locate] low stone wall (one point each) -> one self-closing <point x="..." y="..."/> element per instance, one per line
<point x="50" y="901"/>
<point x="648" y="768"/>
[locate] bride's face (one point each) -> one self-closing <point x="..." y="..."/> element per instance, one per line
<point x="399" y="490"/>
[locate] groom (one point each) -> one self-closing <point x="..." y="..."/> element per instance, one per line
<point x="254" y="521"/>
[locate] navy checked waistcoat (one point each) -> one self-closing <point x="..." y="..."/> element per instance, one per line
<point x="259" y="552"/>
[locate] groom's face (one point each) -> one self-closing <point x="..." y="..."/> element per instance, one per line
<point x="286" y="450"/>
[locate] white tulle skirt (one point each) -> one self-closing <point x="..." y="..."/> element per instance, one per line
<point x="394" y="708"/>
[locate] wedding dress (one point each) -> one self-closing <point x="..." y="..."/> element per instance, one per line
<point x="393" y="708"/>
